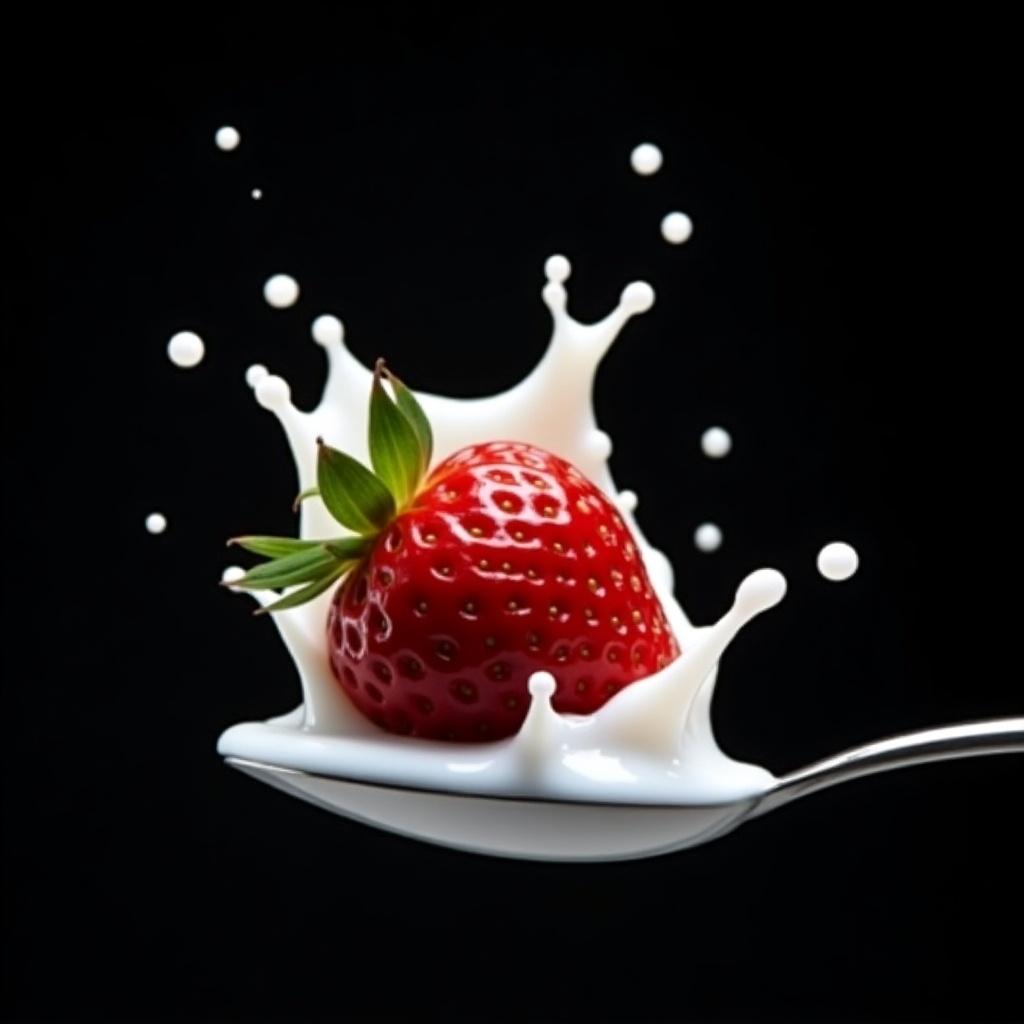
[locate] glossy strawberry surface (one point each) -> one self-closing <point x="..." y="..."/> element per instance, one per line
<point x="507" y="562"/>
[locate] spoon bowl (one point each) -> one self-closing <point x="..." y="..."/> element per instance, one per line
<point x="577" y="831"/>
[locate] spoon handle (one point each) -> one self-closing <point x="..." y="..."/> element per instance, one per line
<point x="968" y="739"/>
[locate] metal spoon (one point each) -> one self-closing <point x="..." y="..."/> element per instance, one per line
<point x="562" y="831"/>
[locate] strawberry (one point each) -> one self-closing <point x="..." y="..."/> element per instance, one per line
<point x="504" y="561"/>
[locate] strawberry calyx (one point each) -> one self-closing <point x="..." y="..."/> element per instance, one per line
<point x="363" y="500"/>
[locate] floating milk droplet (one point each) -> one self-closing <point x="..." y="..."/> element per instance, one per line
<point x="281" y="291"/>
<point x="676" y="227"/>
<point x="255" y="374"/>
<point x="156" y="523"/>
<point x="646" y="158"/>
<point x="716" y="442"/>
<point x="257" y="193"/>
<point x="837" y="561"/>
<point x="186" y="349"/>
<point x="227" y="138"/>
<point x="272" y="392"/>
<point x="327" y="330"/>
<point x="707" y="537"/>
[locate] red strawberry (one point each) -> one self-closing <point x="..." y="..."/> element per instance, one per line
<point x="506" y="561"/>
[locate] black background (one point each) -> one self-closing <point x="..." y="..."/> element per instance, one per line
<point x="845" y="307"/>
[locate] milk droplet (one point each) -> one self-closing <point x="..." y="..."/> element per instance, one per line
<point x="716" y="442"/>
<point x="646" y="159"/>
<point x="837" y="561"/>
<point x="676" y="228"/>
<point x="557" y="268"/>
<point x="627" y="501"/>
<point x="327" y="330"/>
<point x="156" y="522"/>
<point x="232" y="574"/>
<point x="637" y="297"/>
<point x="281" y="291"/>
<point x="255" y="374"/>
<point x="273" y="392"/>
<point x="707" y="537"/>
<point x="760" y="591"/>
<point x="600" y="444"/>
<point x="186" y="349"/>
<point x="227" y="138"/>
<point x="541" y="685"/>
<point x="257" y="193"/>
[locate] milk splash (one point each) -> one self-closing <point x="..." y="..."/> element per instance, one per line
<point x="652" y="743"/>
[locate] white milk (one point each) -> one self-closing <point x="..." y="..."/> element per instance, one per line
<point x="651" y="743"/>
<point x="186" y="349"/>
<point x="227" y="138"/>
<point x="281" y="291"/>
<point x="646" y="159"/>
<point x="716" y="442"/>
<point x="838" y="561"/>
<point x="156" y="522"/>
<point x="707" y="537"/>
<point x="676" y="227"/>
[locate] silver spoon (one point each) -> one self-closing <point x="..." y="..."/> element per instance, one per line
<point x="532" y="829"/>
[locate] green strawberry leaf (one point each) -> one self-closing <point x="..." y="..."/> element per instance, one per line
<point x="348" y="549"/>
<point x="353" y="495"/>
<point x="395" y="450"/>
<point x="298" y="567"/>
<point x="416" y="416"/>
<point x="306" y="593"/>
<point x="363" y="500"/>
<point x="309" y="492"/>
<point x="273" y="547"/>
